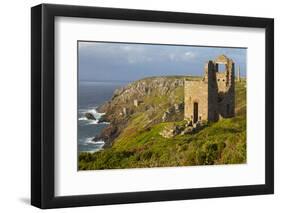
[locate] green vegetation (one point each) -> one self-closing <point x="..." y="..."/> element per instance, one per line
<point x="140" y="144"/>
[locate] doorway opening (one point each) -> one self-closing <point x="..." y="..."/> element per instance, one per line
<point x="227" y="110"/>
<point x="195" y="112"/>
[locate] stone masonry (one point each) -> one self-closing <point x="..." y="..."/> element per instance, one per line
<point x="213" y="96"/>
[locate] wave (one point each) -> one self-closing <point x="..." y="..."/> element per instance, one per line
<point x="90" y="146"/>
<point x="96" y="142"/>
<point x="90" y="141"/>
<point x="91" y="122"/>
<point x="99" y="144"/>
<point x="95" y="113"/>
<point x="83" y="119"/>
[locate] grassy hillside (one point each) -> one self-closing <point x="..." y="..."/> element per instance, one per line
<point x="140" y="145"/>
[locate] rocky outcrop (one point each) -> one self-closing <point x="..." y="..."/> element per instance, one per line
<point x="171" y="114"/>
<point x="150" y="96"/>
<point x="90" y="116"/>
<point x="138" y="90"/>
<point x="170" y="132"/>
<point x="186" y="127"/>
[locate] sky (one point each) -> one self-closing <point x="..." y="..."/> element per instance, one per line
<point x="105" y="61"/>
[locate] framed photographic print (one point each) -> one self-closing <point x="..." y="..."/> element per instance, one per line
<point x="139" y="106"/>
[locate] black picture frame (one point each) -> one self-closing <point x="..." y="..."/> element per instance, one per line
<point x="43" y="110"/>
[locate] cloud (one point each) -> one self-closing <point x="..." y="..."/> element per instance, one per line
<point x="189" y="55"/>
<point x="181" y="56"/>
<point x="131" y="48"/>
<point x="135" y="53"/>
<point x="109" y="60"/>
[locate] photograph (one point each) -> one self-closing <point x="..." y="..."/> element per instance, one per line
<point x="143" y="105"/>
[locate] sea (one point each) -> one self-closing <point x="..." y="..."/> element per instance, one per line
<point x="91" y="95"/>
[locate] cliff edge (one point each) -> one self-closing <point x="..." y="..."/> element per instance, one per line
<point x="152" y="100"/>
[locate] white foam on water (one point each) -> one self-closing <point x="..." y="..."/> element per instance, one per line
<point x="96" y="142"/>
<point x="96" y="114"/>
<point x="92" y="122"/>
<point x="98" y="147"/>
<point x="90" y="141"/>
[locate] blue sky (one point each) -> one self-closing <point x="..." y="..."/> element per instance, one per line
<point x="104" y="61"/>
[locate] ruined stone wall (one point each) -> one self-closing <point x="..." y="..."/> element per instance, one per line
<point x="226" y="90"/>
<point x="210" y="79"/>
<point x="196" y="91"/>
<point x="213" y="110"/>
<point x="222" y="81"/>
<point x="215" y="93"/>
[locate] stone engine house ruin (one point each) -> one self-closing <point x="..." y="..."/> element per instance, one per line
<point x="213" y="96"/>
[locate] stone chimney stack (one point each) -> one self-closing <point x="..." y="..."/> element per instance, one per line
<point x="238" y="74"/>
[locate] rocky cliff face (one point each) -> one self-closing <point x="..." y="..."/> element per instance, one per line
<point x="155" y="100"/>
